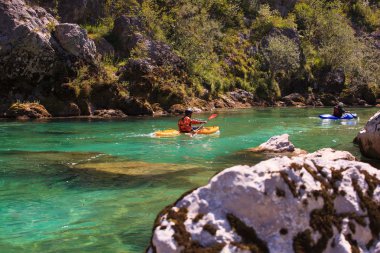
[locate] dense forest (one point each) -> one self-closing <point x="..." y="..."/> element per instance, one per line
<point x="162" y="56"/>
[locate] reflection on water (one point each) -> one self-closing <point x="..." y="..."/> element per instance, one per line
<point x="96" y="186"/>
<point x="344" y="122"/>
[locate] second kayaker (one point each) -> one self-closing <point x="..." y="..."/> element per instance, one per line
<point x="338" y="110"/>
<point x="185" y="123"/>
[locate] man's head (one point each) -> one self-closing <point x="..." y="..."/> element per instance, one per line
<point x="188" y="112"/>
<point x="340" y="105"/>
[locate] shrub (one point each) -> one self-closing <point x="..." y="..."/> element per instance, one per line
<point x="267" y="19"/>
<point x="365" y="15"/>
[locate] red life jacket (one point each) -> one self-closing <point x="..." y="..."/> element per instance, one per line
<point x="184" y="124"/>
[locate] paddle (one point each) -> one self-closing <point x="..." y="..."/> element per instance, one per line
<point x="213" y="116"/>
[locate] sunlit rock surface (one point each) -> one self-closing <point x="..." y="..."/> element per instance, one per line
<point x="321" y="202"/>
<point x="278" y="144"/>
<point x="34" y="47"/>
<point x="369" y="137"/>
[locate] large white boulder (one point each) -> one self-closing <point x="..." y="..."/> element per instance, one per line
<point x="321" y="202"/>
<point x="369" y="137"/>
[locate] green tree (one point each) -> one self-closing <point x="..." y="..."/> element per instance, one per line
<point x="282" y="55"/>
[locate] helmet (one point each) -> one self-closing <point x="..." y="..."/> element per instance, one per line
<point x="188" y="112"/>
<point x="340" y="105"/>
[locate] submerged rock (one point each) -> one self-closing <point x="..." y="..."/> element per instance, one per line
<point x="369" y="138"/>
<point x="133" y="168"/>
<point x="321" y="202"/>
<point x="278" y="144"/>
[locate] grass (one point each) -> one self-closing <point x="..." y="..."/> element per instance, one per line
<point x="102" y="29"/>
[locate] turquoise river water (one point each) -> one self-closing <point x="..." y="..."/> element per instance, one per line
<point x="97" y="185"/>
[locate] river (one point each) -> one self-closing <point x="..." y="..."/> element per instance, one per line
<point x="84" y="185"/>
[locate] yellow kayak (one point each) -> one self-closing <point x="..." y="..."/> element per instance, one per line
<point x="173" y="132"/>
<point x="208" y="130"/>
<point x="167" y="133"/>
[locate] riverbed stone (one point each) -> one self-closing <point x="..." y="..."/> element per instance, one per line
<point x="369" y="138"/>
<point x="325" y="201"/>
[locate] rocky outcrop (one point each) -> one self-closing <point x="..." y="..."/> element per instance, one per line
<point x="135" y="106"/>
<point x="278" y="144"/>
<point x="332" y="81"/>
<point x="81" y="11"/>
<point x="74" y="11"/>
<point x="368" y="138"/>
<point x="104" y="48"/>
<point x="320" y="202"/>
<point x="156" y="74"/>
<point x="294" y="99"/>
<point x="106" y="114"/>
<point x="27" y="111"/>
<point x="73" y="39"/>
<point x="126" y="33"/>
<point x="35" y="48"/>
<point x="284" y="7"/>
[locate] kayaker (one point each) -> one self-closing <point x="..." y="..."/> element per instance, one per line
<point x="185" y="123"/>
<point x="338" y="110"/>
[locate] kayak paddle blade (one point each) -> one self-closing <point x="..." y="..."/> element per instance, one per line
<point x="212" y="116"/>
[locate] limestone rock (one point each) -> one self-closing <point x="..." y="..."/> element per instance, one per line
<point x="294" y="99"/>
<point x="30" y="54"/>
<point x="278" y="144"/>
<point x="157" y="75"/>
<point x="320" y="202"/>
<point x="127" y="33"/>
<point x="111" y="113"/>
<point x="75" y="41"/>
<point x="27" y="111"/>
<point x="104" y="48"/>
<point x="135" y="106"/>
<point x="369" y="138"/>
<point x="81" y="11"/>
<point x="333" y="81"/>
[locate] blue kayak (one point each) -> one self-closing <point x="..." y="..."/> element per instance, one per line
<point x="345" y="116"/>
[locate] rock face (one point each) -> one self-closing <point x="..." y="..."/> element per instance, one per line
<point x="333" y="81"/>
<point x="369" y="138"/>
<point x="155" y="72"/>
<point x="294" y="99"/>
<point x="30" y="54"/>
<point x="81" y="11"/>
<point x="127" y="33"/>
<point x="109" y="114"/>
<point x="74" y="40"/>
<point x="321" y="202"/>
<point x="278" y="144"/>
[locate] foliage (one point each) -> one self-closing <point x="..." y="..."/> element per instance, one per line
<point x="365" y="15"/>
<point x="268" y="19"/>
<point x="329" y="41"/>
<point x="101" y="29"/>
<point x="282" y="54"/>
<point x="219" y="41"/>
